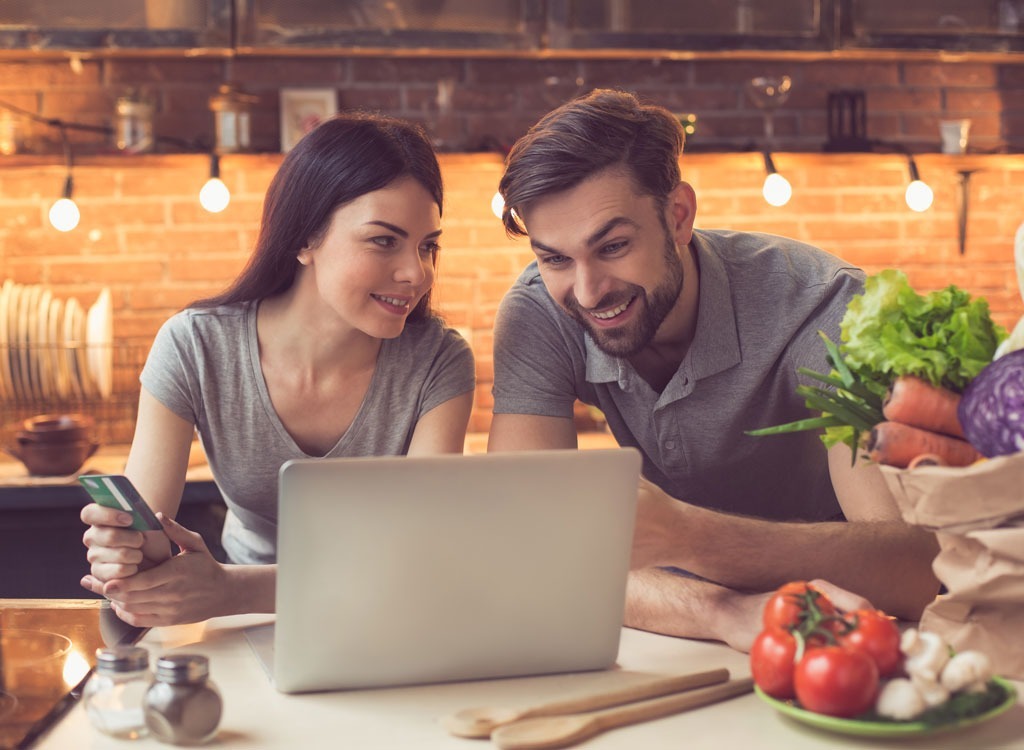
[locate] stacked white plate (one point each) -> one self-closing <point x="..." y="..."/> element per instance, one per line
<point x="52" y="349"/>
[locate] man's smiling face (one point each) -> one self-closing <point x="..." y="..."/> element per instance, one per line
<point x="609" y="257"/>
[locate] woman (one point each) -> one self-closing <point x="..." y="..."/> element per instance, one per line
<point x="324" y="346"/>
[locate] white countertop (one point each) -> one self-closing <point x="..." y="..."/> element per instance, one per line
<point x="256" y="716"/>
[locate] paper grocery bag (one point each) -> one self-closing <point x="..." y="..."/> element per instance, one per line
<point x="983" y="565"/>
<point x="984" y="495"/>
<point x="977" y="513"/>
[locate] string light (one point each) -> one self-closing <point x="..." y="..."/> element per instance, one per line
<point x="919" y="195"/>
<point x="497" y="205"/>
<point x="776" y="189"/>
<point x="214" y="196"/>
<point x="64" y="214"/>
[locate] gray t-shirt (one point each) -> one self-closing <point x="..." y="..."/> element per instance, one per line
<point x="763" y="300"/>
<point x="205" y="367"/>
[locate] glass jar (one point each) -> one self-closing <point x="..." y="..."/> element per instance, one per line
<point x="114" y="692"/>
<point x="183" y="706"/>
<point x="10" y="133"/>
<point x="230" y="107"/>
<point x="134" y="130"/>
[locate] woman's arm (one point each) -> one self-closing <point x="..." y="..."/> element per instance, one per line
<point x="159" y="454"/>
<point x="145" y="584"/>
<point x="443" y="428"/>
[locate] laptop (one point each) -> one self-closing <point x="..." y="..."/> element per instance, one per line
<point x="413" y="570"/>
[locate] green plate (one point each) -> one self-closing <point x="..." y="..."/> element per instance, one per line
<point x="862" y="728"/>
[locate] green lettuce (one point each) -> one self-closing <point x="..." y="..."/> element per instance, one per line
<point x="944" y="337"/>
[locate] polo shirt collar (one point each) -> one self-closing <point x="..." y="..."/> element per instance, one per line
<point x="716" y="345"/>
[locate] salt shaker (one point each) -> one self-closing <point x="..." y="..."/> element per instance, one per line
<point x="113" y="695"/>
<point x="183" y="706"/>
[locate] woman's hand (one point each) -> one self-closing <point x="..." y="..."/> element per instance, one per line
<point x="189" y="587"/>
<point x="115" y="550"/>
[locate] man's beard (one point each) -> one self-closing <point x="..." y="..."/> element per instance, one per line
<point x="628" y="340"/>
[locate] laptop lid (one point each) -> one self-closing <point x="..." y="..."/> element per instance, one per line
<point x="406" y="570"/>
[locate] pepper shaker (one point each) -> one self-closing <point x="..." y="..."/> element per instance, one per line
<point x="183" y="706"/>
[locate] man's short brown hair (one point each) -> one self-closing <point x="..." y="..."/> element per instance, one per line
<point x="603" y="129"/>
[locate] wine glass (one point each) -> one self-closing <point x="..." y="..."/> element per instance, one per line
<point x="768" y="93"/>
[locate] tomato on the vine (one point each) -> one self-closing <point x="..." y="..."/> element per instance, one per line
<point x="772" y="661"/>
<point x="788" y="607"/>
<point x="877" y="635"/>
<point x="836" y="681"/>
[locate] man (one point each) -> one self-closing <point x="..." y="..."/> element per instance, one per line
<point x="685" y="339"/>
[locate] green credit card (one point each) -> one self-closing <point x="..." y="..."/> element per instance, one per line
<point x="117" y="491"/>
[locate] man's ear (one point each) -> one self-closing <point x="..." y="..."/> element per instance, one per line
<point x="682" y="210"/>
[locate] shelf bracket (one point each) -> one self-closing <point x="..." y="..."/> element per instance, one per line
<point x="961" y="207"/>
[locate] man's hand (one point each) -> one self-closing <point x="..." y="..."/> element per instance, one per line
<point x="663" y="602"/>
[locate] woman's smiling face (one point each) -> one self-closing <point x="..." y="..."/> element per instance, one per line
<point x="375" y="260"/>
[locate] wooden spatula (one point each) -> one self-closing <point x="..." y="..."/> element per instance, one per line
<point x="547" y="732"/>
<point x="480" y="722"/>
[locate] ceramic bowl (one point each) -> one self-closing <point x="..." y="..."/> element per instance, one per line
<point x="53" y="459"/>
<point x="56" y="428"/>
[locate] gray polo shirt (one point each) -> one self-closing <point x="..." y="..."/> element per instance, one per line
<point x="763" y="300"/>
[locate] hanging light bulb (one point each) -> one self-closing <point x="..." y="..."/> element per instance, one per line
<point x="497" y="205"/>
<point x="776" y="189"/>
<point x="64" y="214"/>
<point x="919" y="195"/>
<point x="214" y="196"/>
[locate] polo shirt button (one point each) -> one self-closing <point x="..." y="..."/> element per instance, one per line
<point x="670" y="445"/>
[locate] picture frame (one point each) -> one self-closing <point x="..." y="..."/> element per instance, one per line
<point x="302" y="109"/>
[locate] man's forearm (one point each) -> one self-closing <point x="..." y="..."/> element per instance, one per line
<point x="662" y="602"/>
<point x="887" y="562"/>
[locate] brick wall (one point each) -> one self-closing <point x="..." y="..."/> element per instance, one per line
<point x="144" y="235"/>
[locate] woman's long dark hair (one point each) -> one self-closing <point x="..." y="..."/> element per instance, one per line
<point x="343" y="158"/>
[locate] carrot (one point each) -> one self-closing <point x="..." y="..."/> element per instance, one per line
<point x="918" y="403"/>
<point x="897" y="444"/>
<point x="926" y="459"/>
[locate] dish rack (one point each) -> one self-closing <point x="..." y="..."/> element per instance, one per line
<point x="114" y="414"/>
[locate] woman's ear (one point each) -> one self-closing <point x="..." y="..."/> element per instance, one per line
<point x="682" y="208"/>
<point x="305" y="256"/>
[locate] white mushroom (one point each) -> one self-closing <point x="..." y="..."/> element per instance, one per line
<point x="968" y="670"/>
<point x="926" y="654"/>
<point x="931" y="690"/>
<point x="900" y="699"/>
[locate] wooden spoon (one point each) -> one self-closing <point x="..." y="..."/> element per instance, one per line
<point x="480" y="722"/>
<point x="561" y="731"/>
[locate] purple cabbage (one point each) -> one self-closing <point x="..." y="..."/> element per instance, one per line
<point x="992" y="408"/>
